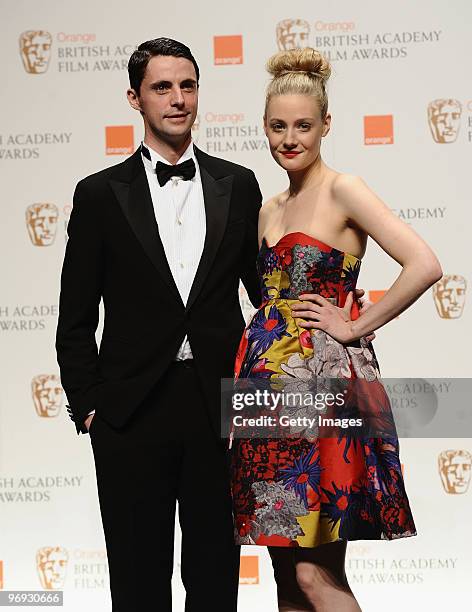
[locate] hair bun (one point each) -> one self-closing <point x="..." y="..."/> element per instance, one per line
<point x="306" y="60"/>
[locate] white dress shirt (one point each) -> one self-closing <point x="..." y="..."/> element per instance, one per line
<point x="180" y="215"/>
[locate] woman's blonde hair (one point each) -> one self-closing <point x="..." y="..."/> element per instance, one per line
<point x="299" y="71"/>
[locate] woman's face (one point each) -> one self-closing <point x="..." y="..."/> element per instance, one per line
<point x="294" y="128"/>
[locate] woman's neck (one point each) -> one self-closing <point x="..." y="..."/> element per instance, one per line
<point x="307" y="178"/>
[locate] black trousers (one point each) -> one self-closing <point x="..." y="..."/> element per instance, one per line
<point x="168" y="453"/>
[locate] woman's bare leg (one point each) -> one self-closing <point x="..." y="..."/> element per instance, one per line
<point x="313" y="579"/>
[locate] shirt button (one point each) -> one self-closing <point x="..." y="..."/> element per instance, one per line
<point x="181" y="265"/>
<point x="179" y="222"/>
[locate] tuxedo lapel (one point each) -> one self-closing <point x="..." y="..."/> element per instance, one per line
<point x="217" y="196"/>
<point x="134" y="197"/>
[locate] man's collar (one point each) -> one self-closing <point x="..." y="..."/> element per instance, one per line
<point x="153" y="157"/>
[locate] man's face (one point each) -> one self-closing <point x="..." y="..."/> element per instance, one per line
<point x="293" y="36"/>
<point x="47" y="396"/>
<point x="458" y="474"/>
<point x="36" y="52"/>
<point x="445" y="122"/>
<point x="450" y="297"/>
<point x="42" y="224"/>
<point x="168" y="98"/>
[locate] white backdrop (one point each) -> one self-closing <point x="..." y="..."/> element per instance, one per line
<point x="65" y="115"/>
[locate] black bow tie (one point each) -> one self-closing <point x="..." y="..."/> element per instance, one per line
<point x="164" y="172"/>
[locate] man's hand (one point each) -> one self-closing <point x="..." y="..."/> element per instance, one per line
<point x="365" y="304"/>
<point x="88" y="421"/>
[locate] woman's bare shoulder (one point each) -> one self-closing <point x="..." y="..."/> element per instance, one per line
<point x="270" y="205"/>
<point x="345" y="186"/>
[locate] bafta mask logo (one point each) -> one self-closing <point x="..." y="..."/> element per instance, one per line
<point x="292" y="34"/>
<point x="35" y="50"/>
<point x="454" y="469"/>
<point x="47" y="395"/>
<point x="51" y="562"/>
<point x="41" y="221"/>
<point x="449" y="296"/>
<point x="444" y="118"/>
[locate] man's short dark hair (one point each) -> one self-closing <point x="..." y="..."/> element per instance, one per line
<point x="159" y="46"/>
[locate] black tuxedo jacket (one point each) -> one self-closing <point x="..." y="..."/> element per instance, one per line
<point x="114" y="252"/>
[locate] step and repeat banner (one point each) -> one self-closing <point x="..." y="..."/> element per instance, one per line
<point x="401" y="102"/>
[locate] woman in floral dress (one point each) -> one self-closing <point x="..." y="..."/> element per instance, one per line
<point x="304" y="497"/>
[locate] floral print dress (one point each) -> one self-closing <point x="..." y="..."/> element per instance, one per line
<point x="310" y="490"/>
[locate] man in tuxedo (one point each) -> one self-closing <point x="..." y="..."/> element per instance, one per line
<point x="164" y="238"/>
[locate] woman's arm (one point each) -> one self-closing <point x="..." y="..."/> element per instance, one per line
<point x="420" y="266"/>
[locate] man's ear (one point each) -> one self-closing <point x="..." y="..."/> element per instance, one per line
<point x="133" y="99"/>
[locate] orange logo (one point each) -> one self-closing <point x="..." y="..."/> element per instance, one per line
<point x="1" y="574"/>
<point x="119" y="139"/>
<point x="376" y="294"/>
<point x="444" y="118"/>
<point x="455" y="470"/>
<point x="41" y="221"/>
<point x="249" y="570"/>
<point x="378" y="129"/>
<point x="449" y="296"/>
<point x="47" y="395"/>
<point x="228" y="49"/>
<point x="35" y="50"/>
<point x="51" y="562"/>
